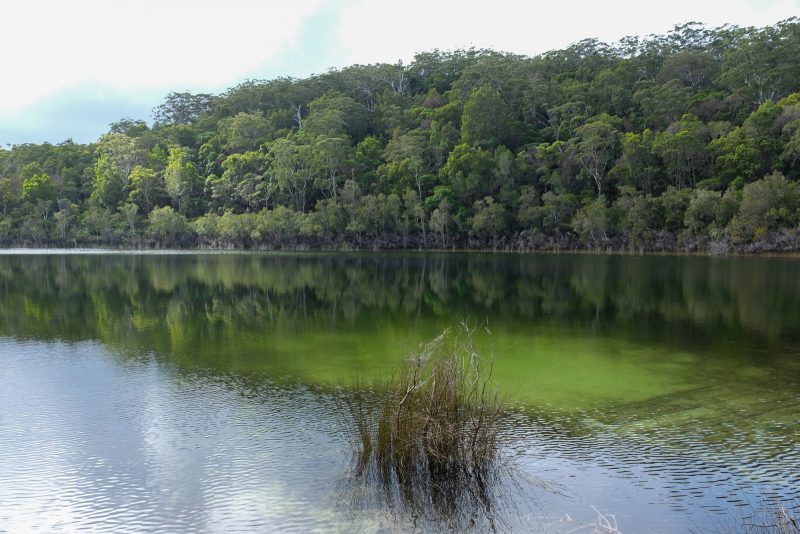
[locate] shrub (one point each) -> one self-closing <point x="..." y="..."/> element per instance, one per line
<point x="432" y="441"/>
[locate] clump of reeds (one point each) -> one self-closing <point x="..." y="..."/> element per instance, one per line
<point x="771" y="520"/>
<point x="431" y="438"/>
<point x="767" y="517"/>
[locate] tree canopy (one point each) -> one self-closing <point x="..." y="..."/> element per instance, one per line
<point x="688" y="140"/>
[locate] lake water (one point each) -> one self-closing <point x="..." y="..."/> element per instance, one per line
<point x="202" y="392"/>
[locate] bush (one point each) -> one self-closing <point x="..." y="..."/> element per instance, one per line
<point x="702" y="211"/>
<point x="767" y="204"/>
<point x="432" y="440"/>
<point x="592" y="223"/>
<point x="168" y="226"/>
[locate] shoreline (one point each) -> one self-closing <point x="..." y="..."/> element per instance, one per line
<point x="134" y="250"/>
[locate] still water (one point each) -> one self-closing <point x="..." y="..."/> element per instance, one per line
<point x="201" y="392"/>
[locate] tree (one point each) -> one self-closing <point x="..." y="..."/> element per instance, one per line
<point x="6" y="194"/>
<point x="767" y="204"/>
<point x="118" y="155"/>
<point x="734" y="157"/>
<point x="413" y="215"/>
<point x="638" y="217"/>
<point x="405" y="155"/>
<point x="335" y="114"/>
<point x="682" y="148"/>
<point x="148" y="189"/>
<point x="290" y="166"/>
<point x="182" y="180"/>
<point x="182" y="108"/>
<point x="329" y="156"/>
<point x="693" y="68"/>
<point x="597" y="145"/>
<point x="65" y="218"/>
<point x="367" y="159"/>
<point x="664" y="132"/>
<point x="662" y="104"/>
<point x="485" y="122"/>
<point x="556" y="212"/>
<point x="673" y="204"/>
<point x="168" y="226"/>
<point x="763" y="63"/>
<point x="702" y="211"/>
<point x="440" y="221"/>
<point x="638" y="166"/>
<point x="592" y="222"/>
<point x="129" y="127"/>
<point x="490" y="219"/>
<point x="468" y="172"/>
<point x="245" y="184"/>
<point x="38" y="187"/>
<point x="129" y="212"/>
<point x="245" y="131"/>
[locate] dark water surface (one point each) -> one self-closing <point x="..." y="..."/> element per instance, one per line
<point x="200" y="392"/>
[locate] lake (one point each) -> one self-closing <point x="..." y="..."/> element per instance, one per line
<point x="202" y="392"/>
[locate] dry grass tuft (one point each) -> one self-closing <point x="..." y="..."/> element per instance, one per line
<point x="432" y="440"/>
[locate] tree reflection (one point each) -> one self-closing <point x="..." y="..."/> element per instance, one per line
<point x="183" y="302"/>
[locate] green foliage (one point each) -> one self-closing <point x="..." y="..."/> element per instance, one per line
<point x="244" y="184"/>
<point x="702" y="211"/>
<point x="182" y="180"/>
<point x="367" y="159"/>
<point x="148" y="189"/>
<point x="336" y="114"/>
<point x="667" y="132"/>
<point x="555" y="213"/>
<point x="279" y="224"/>
<point x="592" y="222"/>
<point x="682" y="148"/>
<point x="245" y="131"/>
<point x="674" y="203"/>
<point x="639" y="165"/>
<point x="486" y="122"/>
<point x="596" y="148"/>
<point x="767" y="204"/>
<point x="468" y="172"/>
<point x="38" y="187"/>
<point x="168" y="226"/>
<point x="7" y="195"/>
<point x="490" y="218"/>
<point x="639" y="217"/>
<point x="182" y="108"/>
<point x="118" y="154"/>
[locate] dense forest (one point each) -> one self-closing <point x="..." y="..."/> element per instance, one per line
<point x="684" y="141"/>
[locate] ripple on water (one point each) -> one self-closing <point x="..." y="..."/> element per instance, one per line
<point x="689" y="460"/>
<point x="90" y="445"/>
<point x="92" y="442"/>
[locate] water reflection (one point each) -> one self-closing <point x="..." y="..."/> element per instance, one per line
<point x="199" y="391"/>
<point x="173" y="299"/>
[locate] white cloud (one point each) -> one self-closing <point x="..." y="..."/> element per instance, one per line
<point x="56" y="53"/>
<point x="374" y="31"/>
<point x="50" y="45"/>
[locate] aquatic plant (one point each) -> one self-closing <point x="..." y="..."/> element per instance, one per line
<point x="773" y="518"/>
<point x="430" y="441"/>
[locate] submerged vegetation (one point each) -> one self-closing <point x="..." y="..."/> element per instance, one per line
<point x="432" y="442"/>
<point x="775" y="519"/>
<point x="683" y="141"/>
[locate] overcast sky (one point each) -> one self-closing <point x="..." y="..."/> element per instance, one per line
<point x="72" y="67"/>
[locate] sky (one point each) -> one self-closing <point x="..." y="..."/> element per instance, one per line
<point x="70" y="68"/>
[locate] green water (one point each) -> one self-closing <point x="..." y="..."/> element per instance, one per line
<point x="575" y="332"/>
<point x="679" y="353"/>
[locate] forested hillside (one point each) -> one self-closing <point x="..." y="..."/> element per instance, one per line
<point x="684" y="141"/>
